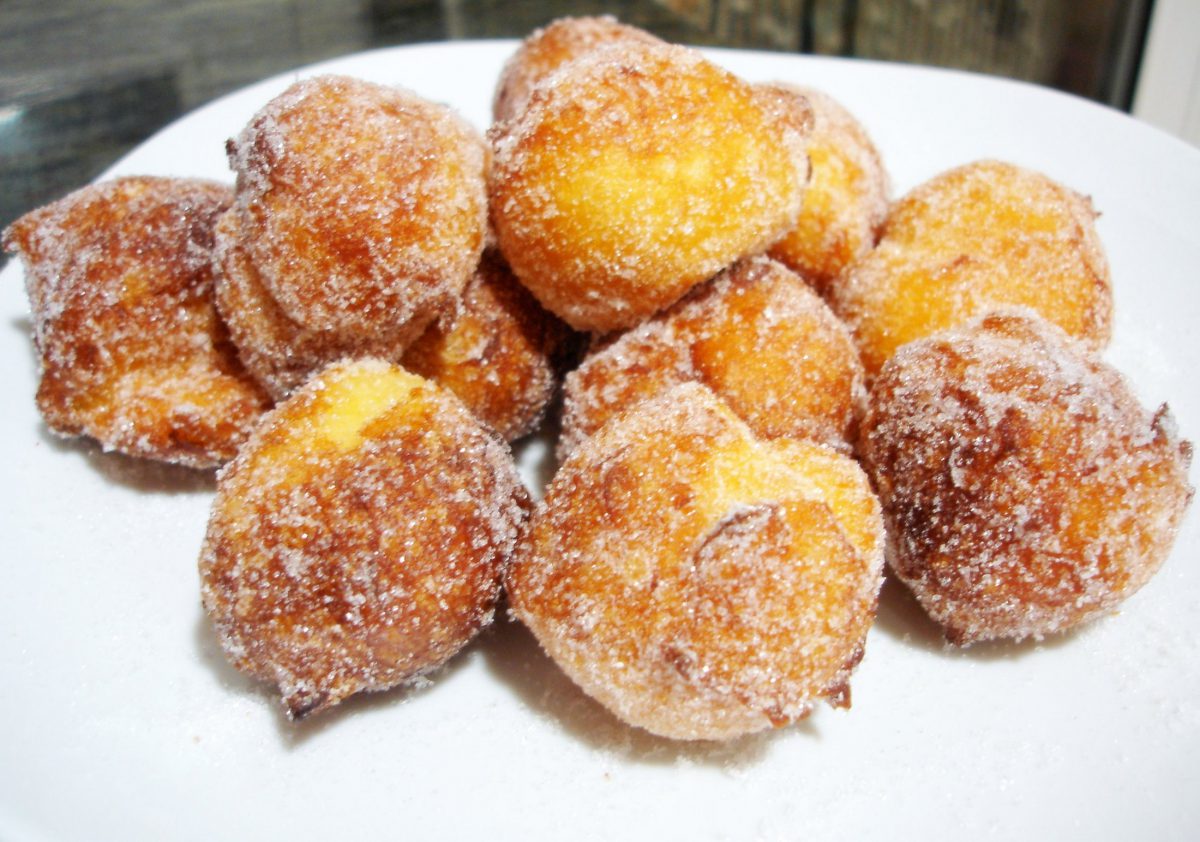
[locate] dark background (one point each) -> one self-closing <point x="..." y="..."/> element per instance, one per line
<point x="81" y="82"/>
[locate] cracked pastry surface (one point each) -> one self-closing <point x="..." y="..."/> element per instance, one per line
<point x="756" y="335"/>
<point x="131" y="348"/>
<point x="697" y="581"/>
<point x="359" y="538"/>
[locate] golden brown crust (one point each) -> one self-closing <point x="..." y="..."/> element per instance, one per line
<point x="132" y="352"/>
<point x="977" y="238"/>
<point x="500" y="353"/>
<point x="636" y="172"/>
<point x="698" y="582"/>
<point x="359" y="538"/>
<point x="756" y="335"/>
<point x="1025" y="489"/>
<point x="281" y="353"/>
<point x="548" y="48"/>
<point x="846" y="199"/>
<point x="360" y="212"/>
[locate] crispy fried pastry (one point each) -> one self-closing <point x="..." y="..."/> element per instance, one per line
<point x="1025" y="489"/>
<point x="697" y="581"/>
<point x="360" y="213"/>
<point x="546" y="49"/>
<point x="846" y="199"/>
<point x="359" y="538"/>
<point x="977" y="238"/>
<point x="500" y="353"/>
<point x="756" y="335"/>
<point x="636" y="172"/>
<point x="131" y="349"/>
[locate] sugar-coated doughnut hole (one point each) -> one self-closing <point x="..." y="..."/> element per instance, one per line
<point x="707" y="560"/>
<point x="846" y="199"/>
<point x="360" y="209"/>
<point x="973" y="239"/>
<point x="281" y="353"/>
<point x="697" y="581"/>
<point x="132" y="351"/>
<point x="546" y="49"/>
<point x="359" y="538"/>
<point x="634" y="173"/>
<point x="500" y="353"/>
<point x="756" y="335"/>
<point x="1025" y="489"/>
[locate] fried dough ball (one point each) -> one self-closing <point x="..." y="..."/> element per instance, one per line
<point x="846" y="199"/>
<point x="548" y="48"/>
<point x="281" y="353"/>
<point x="697" y="581"/>
<point x="359" y="538"/>
<point x="977" y="238"/>
<point x="501" y="353"/>
<point x="636" y="172"/>
<point x="756" y="335"/>
<point x="360" y="211"/>
<point x="132" y="352"/>
<point x="1025" y="489"/>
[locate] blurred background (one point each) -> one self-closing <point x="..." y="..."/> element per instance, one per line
<point x="82" y="81"/>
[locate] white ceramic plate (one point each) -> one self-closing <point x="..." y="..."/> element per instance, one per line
<point x="119" y="719"/>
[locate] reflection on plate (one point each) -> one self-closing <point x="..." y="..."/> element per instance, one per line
<point x="121" y="720"/>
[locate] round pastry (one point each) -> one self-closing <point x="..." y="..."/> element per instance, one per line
<point x="756" y="335"/>
<point x="1025" y="489"/>
<point x="280" y="352"/>
<point x="500" y="353"/>
<point x="636" y="172"/>
<point x="699" y="582"/>
<point x="548" y="48"/>
<point x="977" y="238"/>
<point x="360" y="210"/>
<point x="846" y="199"/>
<point x="359" y="538"/>
<point x="131" y="349"/>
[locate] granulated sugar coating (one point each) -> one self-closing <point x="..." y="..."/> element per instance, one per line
<point x="359" y="539"/>
<point x="131" y="350"/>
<point x="500" y="353"/>
<point x="1025" y="489"/>
<point x="360" y="208"/>
<point x="548" y="48"/>
<point x="977" y="238"/>
<point x="699" y="582"/>
<point x="279" y="352"/>
<point x="756" y="335"/>
<point x="636" y="172"/>
<point x="847" y="195"/>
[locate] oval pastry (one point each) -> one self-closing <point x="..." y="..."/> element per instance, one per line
<point x="132" y="351"/>
<point x="546" y="49"/>
<point x="756" y="335"/>
<point x="1026" y="491"/>
<point x="701" y="583"/>
<point x="636" y="172"/>
<point x="500" y="352"/>
<point x="981" y="237"/>
<point x="359" y="215"/>
<point x="359" y="538"/>
<point x="846" y="199"/>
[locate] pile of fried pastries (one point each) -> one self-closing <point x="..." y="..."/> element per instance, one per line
<point x="767" y="377"/>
